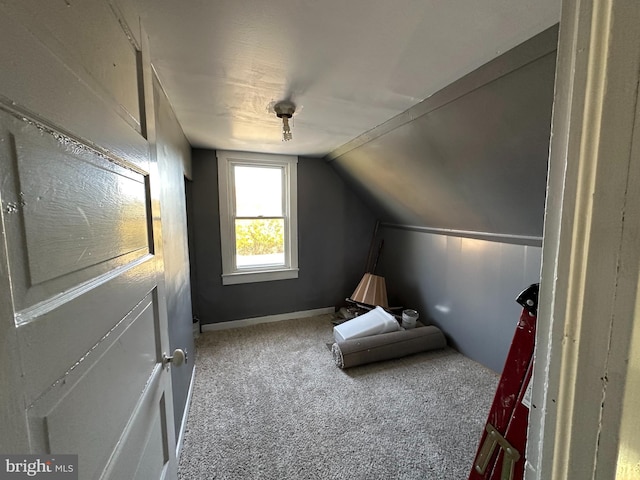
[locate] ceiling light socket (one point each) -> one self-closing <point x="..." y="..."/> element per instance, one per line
<point x="284" y="109"/>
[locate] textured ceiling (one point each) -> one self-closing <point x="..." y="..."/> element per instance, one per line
<point x="348" y="65"/>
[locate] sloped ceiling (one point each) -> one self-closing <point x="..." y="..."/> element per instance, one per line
<point x="472" y="159"/>
<point x="349" y="65"/>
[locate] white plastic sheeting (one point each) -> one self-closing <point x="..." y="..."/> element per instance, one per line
<point x="371" y="323"/>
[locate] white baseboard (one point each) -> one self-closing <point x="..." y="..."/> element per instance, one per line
<point x="209" y="327"/>
<point x="185" y="415"/>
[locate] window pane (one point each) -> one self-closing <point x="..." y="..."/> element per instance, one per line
<point x="259" y="242"/>
<point x="258" y="191"/>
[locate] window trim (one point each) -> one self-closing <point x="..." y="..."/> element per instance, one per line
<point x="231" y="275"/>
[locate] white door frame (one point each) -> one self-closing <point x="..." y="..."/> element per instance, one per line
<point x="591" y="256"/>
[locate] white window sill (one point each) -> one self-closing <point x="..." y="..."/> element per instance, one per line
<point x="253" y="277"/>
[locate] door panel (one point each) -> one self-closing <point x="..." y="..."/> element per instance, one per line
<point x="83" y="321"/>
<point x="90" y="334"/>
<point x="152" y="452"/>
<point x="86" y="410"/>
<point x="89" y="36"/>
<point x="142" y="453"/>
<point x="71" y="199"/>
<point x="101" y="205"/>
<point x="41" y="79"/>
<point x="88" y="317"/>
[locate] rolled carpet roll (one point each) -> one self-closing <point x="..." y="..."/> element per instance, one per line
<point x="385" y="346"/>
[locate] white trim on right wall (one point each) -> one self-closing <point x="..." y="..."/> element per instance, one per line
<point x="584" y="385"/>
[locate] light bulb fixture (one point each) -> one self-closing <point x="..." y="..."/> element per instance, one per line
<point x="285" y="110"/>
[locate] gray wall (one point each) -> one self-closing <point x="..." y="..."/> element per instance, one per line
<point x="467" y="287"/>
<point x="174" y="161"/>
<point x="459" y="184"/>
<point x="334" y="232"/>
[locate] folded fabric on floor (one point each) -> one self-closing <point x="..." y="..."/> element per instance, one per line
<point x="360" y="351"/>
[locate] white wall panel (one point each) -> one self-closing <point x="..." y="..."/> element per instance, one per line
<point x="466" y="287"/>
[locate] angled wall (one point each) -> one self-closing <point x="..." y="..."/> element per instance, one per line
<point x="459" y="184"/>
<point x="471" y="158"/>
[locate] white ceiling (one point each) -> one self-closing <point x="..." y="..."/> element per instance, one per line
<point x="349" y="65"/>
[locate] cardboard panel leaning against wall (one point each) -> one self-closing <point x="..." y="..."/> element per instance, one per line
<point x="334" y="231"/>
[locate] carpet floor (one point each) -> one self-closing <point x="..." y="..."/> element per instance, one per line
<point x="269" y="403"/>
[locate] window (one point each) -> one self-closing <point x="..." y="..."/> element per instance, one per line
<point x="258" y="217"/>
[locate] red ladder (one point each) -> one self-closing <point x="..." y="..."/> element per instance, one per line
<point x="500" y="454"/>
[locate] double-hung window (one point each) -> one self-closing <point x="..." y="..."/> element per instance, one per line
<point x="258" y="216"/>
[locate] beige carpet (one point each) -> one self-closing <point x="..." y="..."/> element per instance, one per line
<point x="269" y="403"/>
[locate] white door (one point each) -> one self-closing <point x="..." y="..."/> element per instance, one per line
<point x="83" y="323"/>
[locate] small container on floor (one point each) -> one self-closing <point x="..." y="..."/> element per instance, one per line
<point x="409" y="318"/>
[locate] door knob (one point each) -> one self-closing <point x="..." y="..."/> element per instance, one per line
<point x="178" y="358"/>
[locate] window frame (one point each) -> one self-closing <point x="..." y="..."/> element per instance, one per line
<point x="231" y="274"/>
